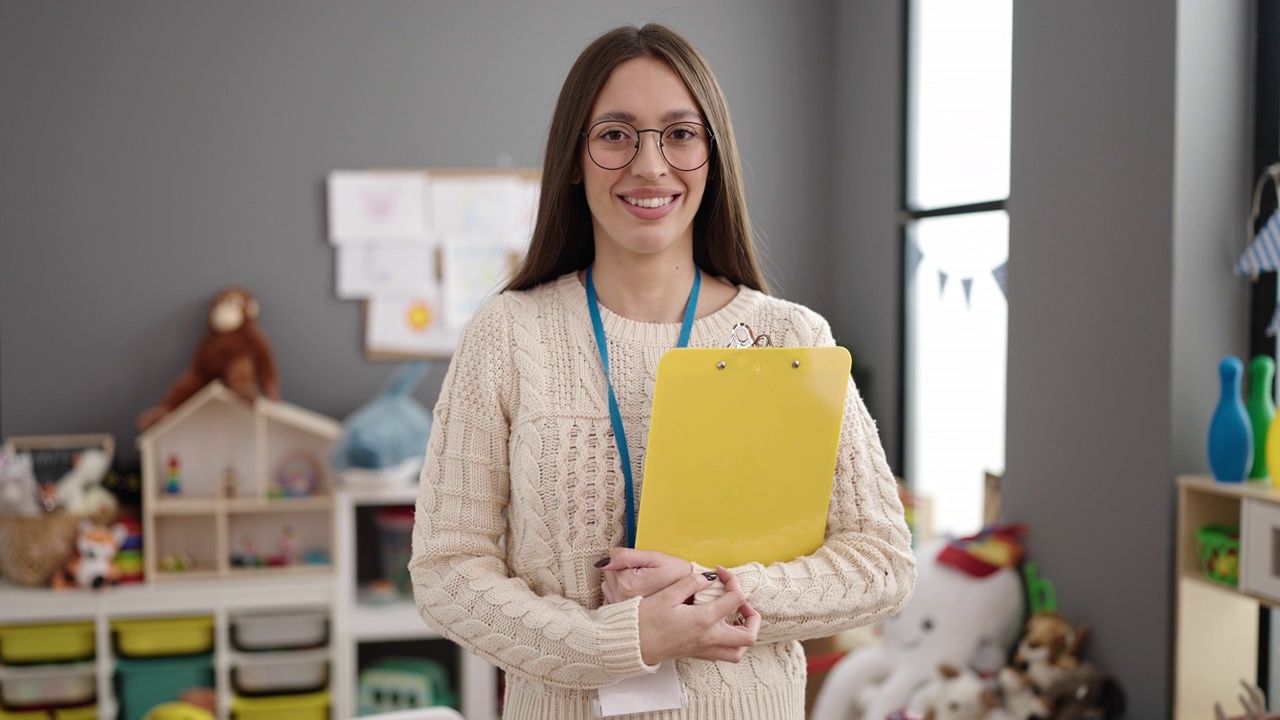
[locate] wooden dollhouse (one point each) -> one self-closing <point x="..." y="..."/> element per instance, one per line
<point x="234" y="488"/>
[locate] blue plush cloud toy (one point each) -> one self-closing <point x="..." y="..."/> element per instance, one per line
<point x="390" y="429"/>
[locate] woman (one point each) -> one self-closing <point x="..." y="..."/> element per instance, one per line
<point x="642" y="243"/>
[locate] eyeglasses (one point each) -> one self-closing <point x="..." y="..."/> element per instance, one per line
<point x="613" y="144"/>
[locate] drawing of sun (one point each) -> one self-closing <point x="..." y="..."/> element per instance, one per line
<point x="419" y="316"/>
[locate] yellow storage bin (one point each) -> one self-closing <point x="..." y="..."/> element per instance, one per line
<point x="86" y="712"/>
<point x="307" y="706"/>
<point x="49" y="642"/>
<point x="155" y="637"/>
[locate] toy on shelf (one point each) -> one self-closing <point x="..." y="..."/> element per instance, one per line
<point x="297" y="476"/>
<point x="289" y="546"/>
<point x="172" y="477"/>
<point x="1261" y="407"/>
<point x="1230" y="434"/>
<point x="19" y="494"/>
<point x="93" y="564"/>
<point x="383" y="443"/>
<point x="233" y="350"/>
<point x="177" y="561"/>
<point x="230" y="484"/>
<point x="402" y="683"/>
<point x="80" y="490"/>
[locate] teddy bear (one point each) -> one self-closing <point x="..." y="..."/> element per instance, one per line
<point x="957" y="694"/>
<point x="234" y="350"/>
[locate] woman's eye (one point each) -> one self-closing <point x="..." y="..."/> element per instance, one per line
<point x="615" y="135"/>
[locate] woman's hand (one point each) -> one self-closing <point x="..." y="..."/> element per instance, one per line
<point x="719" y="630"/>
<point x="639" y="573"/>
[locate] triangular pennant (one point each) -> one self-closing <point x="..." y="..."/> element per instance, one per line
<point x="967" y="284"/>
<point x="942" y="282"/>
<point x="1263" y="254"/>
<point x="1274" y="325"/>
<point x="1001" y="274"/>
<point x="914" y="256"/>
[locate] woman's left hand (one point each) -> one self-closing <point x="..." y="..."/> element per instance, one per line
<point x="639" y="573"/>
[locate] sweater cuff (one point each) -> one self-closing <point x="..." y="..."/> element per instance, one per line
<point x="620" y="639"/>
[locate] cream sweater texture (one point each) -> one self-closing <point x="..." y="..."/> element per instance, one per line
<point x="522" y="493"/>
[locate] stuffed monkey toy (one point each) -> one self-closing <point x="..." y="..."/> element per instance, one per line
<point x="234" y="350"/>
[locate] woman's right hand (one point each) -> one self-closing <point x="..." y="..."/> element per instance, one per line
<point x="722" y="629"/>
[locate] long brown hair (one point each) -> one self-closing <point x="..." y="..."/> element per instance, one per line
<point x="562" y="235"/>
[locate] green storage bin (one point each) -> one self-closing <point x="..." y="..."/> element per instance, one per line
<point x="146" y="683"/>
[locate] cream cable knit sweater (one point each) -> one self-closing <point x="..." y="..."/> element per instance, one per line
<point x="522" y="493"/>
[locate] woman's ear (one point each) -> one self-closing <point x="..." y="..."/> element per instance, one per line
<point x="575" y="177"/>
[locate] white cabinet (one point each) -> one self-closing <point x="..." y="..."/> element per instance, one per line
<point x="221" y="600"/>
<point x="362" y="626"/>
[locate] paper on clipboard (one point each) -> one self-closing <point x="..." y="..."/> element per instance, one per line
<point x="741" y="458"/>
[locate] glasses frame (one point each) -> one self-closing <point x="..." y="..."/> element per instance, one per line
<point x="711" y="143"/>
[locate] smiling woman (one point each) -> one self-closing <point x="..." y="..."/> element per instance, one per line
<point x="522" y="551"/>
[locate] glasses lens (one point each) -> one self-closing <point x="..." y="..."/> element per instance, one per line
<point x="686" y="146"/>
<point x="613" y="144"/>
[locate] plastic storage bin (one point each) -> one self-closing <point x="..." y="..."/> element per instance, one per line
<point x="43" y="643"/>
<point x="48" y="686"/>
<point x="146" y="683"/>
<point x="279" y="631"/>
<point x="168" y="636"/>
<point x="307" y="706"/>
<point x="83" y="712"/>
<point x="280" y="677"/>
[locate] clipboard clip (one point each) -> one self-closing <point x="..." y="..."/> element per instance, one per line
<point x="741" y="336"/>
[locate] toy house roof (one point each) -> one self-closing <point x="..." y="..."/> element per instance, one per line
<point x="216" y="392"/>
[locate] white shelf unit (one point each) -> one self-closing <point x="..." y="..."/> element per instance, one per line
<point x="220" y="600"/>
<point x="359" y="623"/>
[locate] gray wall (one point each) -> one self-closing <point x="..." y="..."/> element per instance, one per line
<point x="152" y="153"/>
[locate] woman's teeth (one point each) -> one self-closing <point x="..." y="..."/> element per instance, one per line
<point x="649" y="202"/>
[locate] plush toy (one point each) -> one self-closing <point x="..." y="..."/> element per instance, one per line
<point x="93" y="564"/>
<point x="19" y="494"/>
<point x="234" y="350"/>
<point x="391" y="430"/>
<point x="1085" y="693"/>
<point x="957" y="694"/>
<point x="953" y="617"/>
<point x="1049" y="649"/>
<point x="80" y="489"/>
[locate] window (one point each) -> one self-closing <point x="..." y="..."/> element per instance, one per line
<point x="956" y="250"/>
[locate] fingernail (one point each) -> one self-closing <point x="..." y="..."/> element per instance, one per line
<point x="710" y="576"/>
<point x="602" y="563"/>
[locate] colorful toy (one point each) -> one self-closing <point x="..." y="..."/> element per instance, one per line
<point x="389" y="430"/>
<point x="401" y="683"/>
<point x="1230" y="433"/>
<point x="298" y="475"/>
<point x="93" y="563"/>
<point x="172" y="478"/>
<point x="80" y="489"/>
<point x="1261" y="407"/>
<point x="953" y="617"/>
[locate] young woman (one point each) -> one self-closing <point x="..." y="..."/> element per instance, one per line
<point x="642" y="243"/>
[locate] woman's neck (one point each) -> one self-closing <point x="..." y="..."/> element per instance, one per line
<point x="652" y="291"/>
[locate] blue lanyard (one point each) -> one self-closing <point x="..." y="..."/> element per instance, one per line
<point x="615" y="416"/>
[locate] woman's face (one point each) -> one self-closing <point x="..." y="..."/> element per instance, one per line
<point x="647" y="207"/>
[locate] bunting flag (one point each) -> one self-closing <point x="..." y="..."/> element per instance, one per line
<point x="1001" y="274"/>
<point x="1263" y="254"/>
<point x="942" y="282"/>
<point x="1274" y="325"/>
<point x="967" y="284"/>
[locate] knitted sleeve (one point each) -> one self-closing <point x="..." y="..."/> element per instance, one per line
<point x="460" y="577"/>
<point x="865" y="569"/>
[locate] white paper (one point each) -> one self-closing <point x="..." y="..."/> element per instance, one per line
<point x="408" y="326"/>
<point x="478" y="222"/>
<point x="368" y="269"/>
<point x="371" y="206"/>
<point x="659" y="690"/>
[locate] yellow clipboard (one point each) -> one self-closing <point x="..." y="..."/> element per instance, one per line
<point x="741" y="453"/>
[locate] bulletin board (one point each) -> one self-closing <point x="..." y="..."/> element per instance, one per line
<point x="422" y="249"/>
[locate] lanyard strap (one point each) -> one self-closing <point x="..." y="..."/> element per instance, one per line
<point x="615" y="416"/>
